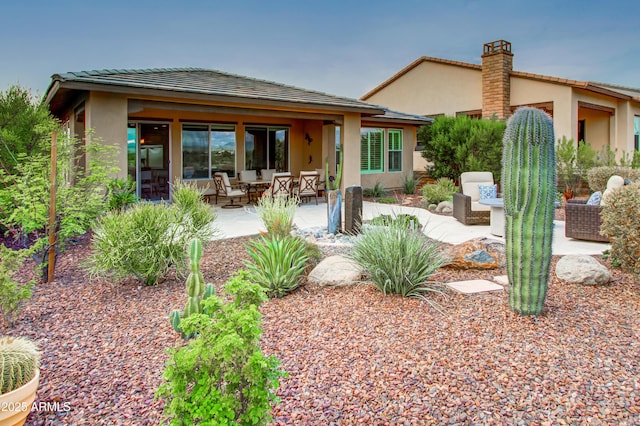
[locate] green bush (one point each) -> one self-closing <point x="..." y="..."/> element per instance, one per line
<point x="621" y="224"/>
<point x="121" y="193"/>
<point x="442" y="190"/>
<point x="387" y="200"/>
<point x="221" y="377"/>
<point x="12" y="294"/>
<point x="147" y="240"/>
<point x="194" y="215"/>
<point x="409" y="183"/>
<point x="598" y="176"/>
<point x="375" y="192"/>
<point x="402" y="220"/>
<point x="277" y="214"/>
<point x="277" y="264"/>
<point x="454" y="145"/>
<point x="573" y="161"/>
<point x="398" y="260"/>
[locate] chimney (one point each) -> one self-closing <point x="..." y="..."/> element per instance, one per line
<point x="497" y="63"/>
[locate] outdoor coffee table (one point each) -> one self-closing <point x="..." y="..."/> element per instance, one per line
<point x="496" y="215"/>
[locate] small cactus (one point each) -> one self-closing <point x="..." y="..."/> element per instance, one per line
<point x="196" y="289"/>
<point x="529" y="187"/>
<point x="19" y="359"/>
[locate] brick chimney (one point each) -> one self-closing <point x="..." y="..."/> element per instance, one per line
<point x="497" y="63"/>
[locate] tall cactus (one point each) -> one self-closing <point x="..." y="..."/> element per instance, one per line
<point x="19" y="359"/>
<point x="529" y="187"/>
<point x="196" y="290"/>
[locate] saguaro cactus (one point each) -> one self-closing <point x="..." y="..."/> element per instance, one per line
<point x="196" y="290"/>
<point x="529" y="187"/>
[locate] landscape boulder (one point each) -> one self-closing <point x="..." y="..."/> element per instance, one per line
<point x="479" y="253"/>
<point x="445" y="207"/>
<point x="335" y="271"/>
<point x="582" y="269"/>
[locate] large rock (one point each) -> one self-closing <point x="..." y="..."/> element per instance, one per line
<point x="479" y="253"/>
<point x="582" y="269"/>
<point x="334" y="271"/>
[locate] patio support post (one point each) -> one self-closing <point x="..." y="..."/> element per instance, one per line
<point x="329" y="147"/>
<point x="350" y="136"/>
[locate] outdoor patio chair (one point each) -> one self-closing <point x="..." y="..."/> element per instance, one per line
<point x="307" y="185"/>
<point x="148" y="187"/>
<point x="582" y="221"/>
<point x="267" y="174"/>
<point x="245" y="177"/>
<point x="281" y="185"/>
<point x="321" y="180"/>
<point x="224" y="189"/>
<point x="466" y="207"/>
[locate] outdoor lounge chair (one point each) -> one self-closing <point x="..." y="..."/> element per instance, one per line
<point x="308" y="185"/>
<point x="466" y="207"/>
<point x="224" y="189"/>
<point x="582" y="221"/>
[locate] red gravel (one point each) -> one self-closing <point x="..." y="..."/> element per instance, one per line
<point x="353" y="355"/>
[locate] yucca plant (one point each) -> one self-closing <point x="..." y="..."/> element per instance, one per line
<point x="529" y="186"/>
<point x="277" y="263"/>
<point x="19" y="360"/>
<point x="398" y="260"/>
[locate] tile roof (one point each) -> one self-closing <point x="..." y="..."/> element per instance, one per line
<point x="609" y="89"/>
<point x="205" y="82"/>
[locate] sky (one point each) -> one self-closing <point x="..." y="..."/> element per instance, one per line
<point x="343" y="48"/>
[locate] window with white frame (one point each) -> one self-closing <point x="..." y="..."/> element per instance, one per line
<point x="371" y="149"/>
<point x="207" y="149"/>
<point x="395" y="150"/>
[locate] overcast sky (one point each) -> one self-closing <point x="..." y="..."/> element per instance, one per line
<point x="340" y="47"/>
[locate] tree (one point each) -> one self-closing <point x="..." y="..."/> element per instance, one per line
<point x="460" y="144"/>
<point x="25" y="125"/>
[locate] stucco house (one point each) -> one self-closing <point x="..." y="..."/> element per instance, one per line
<point x="188" y="123"/>
<point x="598" y="113"/>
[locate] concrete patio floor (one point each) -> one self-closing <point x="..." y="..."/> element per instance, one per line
<point x="245" y="221"/>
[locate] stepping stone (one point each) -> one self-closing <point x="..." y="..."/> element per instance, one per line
<point x="475" y="286"/>
<point x="501" y="279"/>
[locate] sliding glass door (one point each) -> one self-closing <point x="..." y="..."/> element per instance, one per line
<point x="266" y="148"/>
<point x="148" y="159"/>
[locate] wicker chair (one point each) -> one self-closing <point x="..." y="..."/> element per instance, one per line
<point x="583" y="221"/>
<point x="465" y="203"/>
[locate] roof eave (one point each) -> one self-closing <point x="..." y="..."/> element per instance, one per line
<point x="142" y="91"/>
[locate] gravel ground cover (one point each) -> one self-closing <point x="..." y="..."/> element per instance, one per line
<point x="353" y="355"/>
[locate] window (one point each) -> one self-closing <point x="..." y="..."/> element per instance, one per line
<point x="207" y="149"/>
<point x="371" y="146"/>
<point x="636" y="132"/>
<point x="266" y="148"/>
<point x="395" y="150"/>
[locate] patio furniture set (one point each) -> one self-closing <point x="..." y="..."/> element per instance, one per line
<point x="478" y="203"/>
<point x="276" y="184"/>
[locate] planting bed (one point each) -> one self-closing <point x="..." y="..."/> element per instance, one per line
<point x="353" y="355"/>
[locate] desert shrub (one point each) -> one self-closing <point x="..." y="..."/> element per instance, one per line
<point x="121" y="193"/>
<point x="398" y="260"/>
<point x="145" y="241"/>
<point x="402" y="220"/>
<point x="409" y="183"/>
<point x="461" y="144"/>
<point x="598" y="176"/>
<point x="195" y="216"/>
<point x="573" y="161"/>
<point x="441" y="190"/>
<point x="277" y="264"/>
<point x="221" y="376"/>
<point x="277" y="214"/>
<point x="12" y="294"/>
<point x="375" y="192"/>
<point x="621" y="224"/>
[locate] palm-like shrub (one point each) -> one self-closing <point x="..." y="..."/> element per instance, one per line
<point x="277" y="263"/>
<point x="398" y="260"/>
<point x="277" y="214"/>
